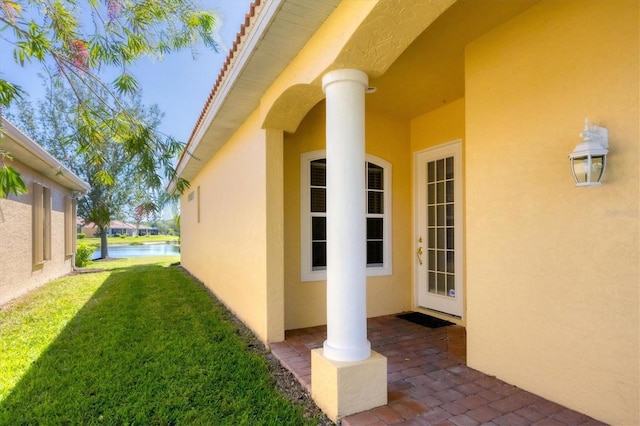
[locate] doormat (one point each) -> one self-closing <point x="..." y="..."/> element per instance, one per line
<point x="425" y="320"/>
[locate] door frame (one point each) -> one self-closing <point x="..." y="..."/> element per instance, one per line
<point x="452" y="147"/>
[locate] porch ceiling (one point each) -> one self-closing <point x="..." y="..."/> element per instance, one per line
<point x="430" y="73"/>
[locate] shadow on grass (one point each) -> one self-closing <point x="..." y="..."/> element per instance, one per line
<point x="150" y="347"/>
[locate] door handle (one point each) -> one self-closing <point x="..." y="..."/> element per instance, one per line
<point x="419" y="254"/>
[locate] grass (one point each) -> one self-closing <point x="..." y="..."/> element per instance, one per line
<point x="140" y="343"/>
<point x="112" y="241"/>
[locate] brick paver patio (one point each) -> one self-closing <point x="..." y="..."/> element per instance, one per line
<point x="428" y="380"/>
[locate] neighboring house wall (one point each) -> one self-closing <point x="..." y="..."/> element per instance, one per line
<point x="18" y="274"/>
<point x="387" y="138"/>
<point x="552" y="269"/>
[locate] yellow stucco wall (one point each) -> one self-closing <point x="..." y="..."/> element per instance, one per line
<point x="18" y="274"/>
<point x="388" y="138"/>
<point x="227" y="249"/>
<point x="440" y="126"/>
<point x="552" y="269"/>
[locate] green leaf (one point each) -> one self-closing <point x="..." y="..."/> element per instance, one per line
<point x="126" y="84"/>
<point x="11" y="182"/>
<point x="9" y="92"/>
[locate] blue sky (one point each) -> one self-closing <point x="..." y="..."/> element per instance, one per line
<point x="178" y="84"/>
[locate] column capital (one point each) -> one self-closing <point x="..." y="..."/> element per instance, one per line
<point x="345" y="74"/>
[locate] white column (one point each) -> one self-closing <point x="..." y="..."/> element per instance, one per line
<point x="346" y="210"/>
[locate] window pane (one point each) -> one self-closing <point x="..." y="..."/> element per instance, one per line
<point x="319" y="255"/>
<point x="449" y="174"/>
<point x="319" y="172"/>
<point x="431" y="174"/>
<point x="318" y="200"/>
<point x="450" y="239"/>
<point x="375" y="177"/>
<point x="375" y="202"/>
<point x="319" y="228"/>
<point x="374" y="228"/>
<point x="431" y="194"/>
<point x="374" y="253"/>
<point x="431" y="220"/>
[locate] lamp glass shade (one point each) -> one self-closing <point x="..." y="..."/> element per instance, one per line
<point x="588" y="170"/>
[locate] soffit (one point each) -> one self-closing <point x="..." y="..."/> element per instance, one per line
<point x="29" y="153"/>
<point x="271" y="43"/>
<point x="430" y="72"/>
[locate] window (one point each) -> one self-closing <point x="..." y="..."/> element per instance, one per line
<point x="69" y="226"/>
<point x="41" y="218"/>
<point x="314" y="216"/>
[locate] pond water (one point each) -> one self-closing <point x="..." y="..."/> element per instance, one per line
<point x="140" y="250"/>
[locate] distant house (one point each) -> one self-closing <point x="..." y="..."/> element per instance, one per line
<point x="118" y="227"/>
<point x="363" y="158"/>
<point x="37" y="229"/>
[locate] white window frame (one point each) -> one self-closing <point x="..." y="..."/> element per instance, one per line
<point x="307" y="273"/>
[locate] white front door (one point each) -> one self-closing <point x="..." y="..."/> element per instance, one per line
<point x="438" y="240"/>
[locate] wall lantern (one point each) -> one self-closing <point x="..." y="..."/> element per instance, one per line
<point x="589" y="158"/>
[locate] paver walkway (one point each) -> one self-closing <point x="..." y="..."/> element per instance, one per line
<point x="428" y="381"/>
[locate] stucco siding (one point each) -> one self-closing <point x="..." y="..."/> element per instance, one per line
<point x="18" y="274"/>
<point x="552" y="269"/>
<point x="226" y="248"/>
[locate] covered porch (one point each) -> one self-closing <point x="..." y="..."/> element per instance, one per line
<point x="428" y="380"/>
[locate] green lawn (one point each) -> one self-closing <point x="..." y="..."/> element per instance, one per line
<point x="143" y="239"/>
<point x="140" y="343"/>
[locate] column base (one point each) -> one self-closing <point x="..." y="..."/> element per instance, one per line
<point x="343" y="388"/>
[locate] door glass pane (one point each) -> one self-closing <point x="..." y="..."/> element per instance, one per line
<point x="432" y="282"/>
<point x="431" y="213"/>
<point x="449" y="166"/>
<point x="440" y="169"/>
<point x="440" y="192"/>
<point x="450" y="194"/>
<point x="431" y="171"/>
<point x="441" y="238"/>
<point x="442" y="284"/>
<point x="450" y="218"/>
<point x="451" y="285"/>
<point x="442" y="265"/>
<point x="451" y="266"/>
